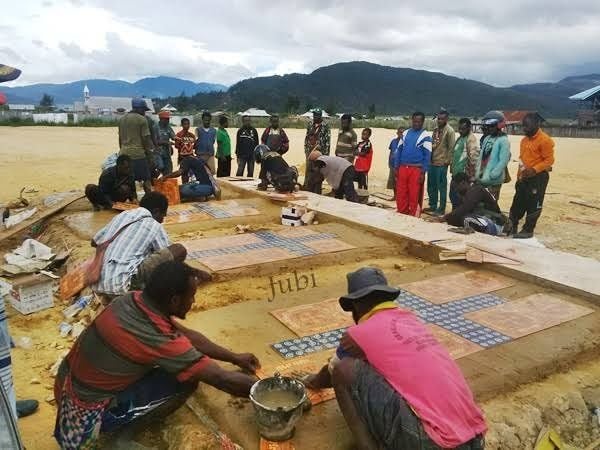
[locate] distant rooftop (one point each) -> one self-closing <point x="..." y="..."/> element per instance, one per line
<point x="18" y="107"/>
<point x="587" y="94"/>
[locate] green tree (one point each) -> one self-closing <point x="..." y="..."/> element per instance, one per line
<point x="371" y="114"/>
<point x="308" y="106"/>
<point x="292" y="104"/>
<point x="331" y="108"/>
<point x="47" y="102"/>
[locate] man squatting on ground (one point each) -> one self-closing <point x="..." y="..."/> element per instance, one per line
<point x="338" y="172"/>
<point x="137" y="361"/>
<point x="396" y="385"/>
<point x="116" y="184"/>
<point x="139" y="244"/>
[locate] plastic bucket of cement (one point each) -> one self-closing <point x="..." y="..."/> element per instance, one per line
<point x="278" y="403"/>
<point x="363" y="196"/>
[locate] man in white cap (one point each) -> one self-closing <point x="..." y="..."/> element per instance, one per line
<point x="396" y="385"/>
<point x="495" y="154"/>
<point x="135" y="141"/>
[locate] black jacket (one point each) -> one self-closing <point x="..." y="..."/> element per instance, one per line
<point x="247" y="140"/>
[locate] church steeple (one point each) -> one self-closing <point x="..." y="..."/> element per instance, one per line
<point x="86" y="94"/>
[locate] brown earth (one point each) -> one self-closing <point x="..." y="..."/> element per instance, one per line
<point x="65" y="158"/>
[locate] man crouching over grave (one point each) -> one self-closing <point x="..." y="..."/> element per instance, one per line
<point x="274" y="170"/>
<point x="136" y="361"/>
<point x="135" y="243"/>
<point x="397" y="386"/>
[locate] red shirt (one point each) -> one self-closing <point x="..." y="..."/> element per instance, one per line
<point x="184" y="143"/>
<point x="362" y="163"/>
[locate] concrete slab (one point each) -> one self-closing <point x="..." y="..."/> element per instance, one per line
<point x="568" y="272"/>
<point x="249" y="326"/>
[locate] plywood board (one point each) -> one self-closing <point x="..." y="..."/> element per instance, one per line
<point x="313" y="318"/>
<point x="528" y="315"/>
<point x="229" y="252"/>
<point x="186" y="218"/>
<point x="445" y="289"/>
<point x="216" y="209"/>
<point x="123" y="206"/>
<point x="55" y="205"/>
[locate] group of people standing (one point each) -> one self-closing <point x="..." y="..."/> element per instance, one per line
<point x="478" y="170"/>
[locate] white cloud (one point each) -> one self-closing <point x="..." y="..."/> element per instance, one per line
<point x="515" y="42"/>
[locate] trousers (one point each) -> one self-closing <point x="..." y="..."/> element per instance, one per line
<point x="409" y="190"/>
<point x="244" y="162"/>
<point x="437" y="187"/>
<point x="224" y="168"/>
<point x="529" y="200"/>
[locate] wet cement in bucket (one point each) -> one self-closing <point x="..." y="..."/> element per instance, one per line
<point x="278" y="398"/>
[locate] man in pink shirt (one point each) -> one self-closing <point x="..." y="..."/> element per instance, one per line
<point x="396" y="385"/>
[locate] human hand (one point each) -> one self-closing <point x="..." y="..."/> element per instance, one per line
<point x="528" y="172"/>
<point x="311" y="381"/>
<point x="247" y="362"/>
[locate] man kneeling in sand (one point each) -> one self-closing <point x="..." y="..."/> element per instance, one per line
<point x="138" y="243"/>
<point x="202" y="187"/>
<point x="396" y="385"/>
<point x="115" y="185"/>
<point x="135" y="360"/>
<point x="338" y="172"/>
<point x="274" y="170"/>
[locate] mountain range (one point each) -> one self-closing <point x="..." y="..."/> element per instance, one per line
<point x="355" y="87"/>
<point x="67" y="93"/>
<point x="358" y="87"/>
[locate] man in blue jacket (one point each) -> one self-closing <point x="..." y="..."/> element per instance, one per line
<point x="411" y="163"/>
<point x="205" y="142"/>
<point x="495" y="154"/>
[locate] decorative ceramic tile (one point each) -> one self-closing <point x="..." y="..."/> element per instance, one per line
<point x="73" y="282"/>
<point x="528" y="315"/>
<point x="456" y="345"/>
<point x="453" y="287"/>
<point x="301" y="346"/>
<point x="260" y="247"/>
<point x="186" y="218"/>
<point x="248" y="258"/>
<point x="305" y="320"/>
<point x="216" y="210"/>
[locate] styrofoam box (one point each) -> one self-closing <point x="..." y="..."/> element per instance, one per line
<point x="291" y="223"/>
<point x="32" y="293"/>
<point x="292" y="211"/>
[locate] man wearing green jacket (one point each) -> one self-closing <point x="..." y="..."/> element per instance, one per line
<point x="465" y="157"/>
<point x="495" y="154"/>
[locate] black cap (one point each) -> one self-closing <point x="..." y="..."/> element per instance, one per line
<point x="365" y="281"/>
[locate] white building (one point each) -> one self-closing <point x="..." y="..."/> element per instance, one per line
<point x="105" y="105"/>
<point x="17" y="107"/>
<point x="254" y="112"/>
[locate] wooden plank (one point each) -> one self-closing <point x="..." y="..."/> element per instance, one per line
<point x="39" y="216"/>
<point x="587" y="205"/>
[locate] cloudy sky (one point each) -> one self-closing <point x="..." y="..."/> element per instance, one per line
<point x="501" y="43"/>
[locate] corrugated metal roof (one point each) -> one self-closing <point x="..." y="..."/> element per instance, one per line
<point x="586" y="95"/>
<point x="517" y="116"/>
<point x="17" y="107"/>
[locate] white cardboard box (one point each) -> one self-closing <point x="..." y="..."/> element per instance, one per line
<point x="32" y="293"/>
<point x="291" y="223"/>
<point x="292" y="212"/>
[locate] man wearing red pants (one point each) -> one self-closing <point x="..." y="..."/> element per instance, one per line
<point x="411" y="164"/>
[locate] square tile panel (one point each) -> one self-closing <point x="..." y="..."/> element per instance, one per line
<point x="528" y="315"/>
<point x="260" y="247"/>
<point x="453" y="287"/>
<point x="305" y="320"/>
<point x="456" y="345"/>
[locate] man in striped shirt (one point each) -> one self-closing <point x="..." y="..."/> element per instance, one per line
<point x="135" y="360"/>
<point x="138" y="248"/>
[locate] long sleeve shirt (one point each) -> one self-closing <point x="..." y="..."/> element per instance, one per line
<point x="443" y="140"/>
<point x="495" y="155"/>
<point x="276" y="139"/>
<point x="465" y="156"/>
<point x="414" y="150"/>
<point x="246" y="142"/>
<point x="537" y="152"/>
<point x="318" y="135"/>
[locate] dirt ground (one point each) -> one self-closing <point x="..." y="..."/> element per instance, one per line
<point x="60" y="158"/>
<point x="55" y="159"/>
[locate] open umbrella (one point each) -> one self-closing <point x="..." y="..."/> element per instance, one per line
<point x="8" y="73"/>
<point x="2" y="99"/>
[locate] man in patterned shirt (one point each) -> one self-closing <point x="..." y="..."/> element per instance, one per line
<point x="137" y="249"/>
<point x="318" y="137"/>
<point x="136" y="361"/>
